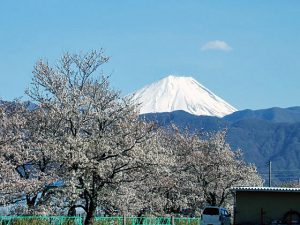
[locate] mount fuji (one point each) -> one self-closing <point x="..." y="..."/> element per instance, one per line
<point x="174" y="93"/>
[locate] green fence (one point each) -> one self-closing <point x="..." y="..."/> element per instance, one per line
<point x="62" y="220"/>
<point x="40" y="220"/>
<point x="186" y="221"/>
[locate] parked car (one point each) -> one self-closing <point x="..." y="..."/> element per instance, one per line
<point x="213" y="215"/>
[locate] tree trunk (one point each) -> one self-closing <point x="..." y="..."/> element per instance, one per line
<point x="212" y="199"/>
<point x="89" y="219"/>
<point x="140" y="217"/>
<point x="72" y="211"/>
<point x="31" y="201"/>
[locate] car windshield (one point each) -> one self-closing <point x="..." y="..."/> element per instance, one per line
<point x="211" y="211"/>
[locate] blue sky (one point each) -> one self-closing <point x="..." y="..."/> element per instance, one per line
<point x="245" y="51"/>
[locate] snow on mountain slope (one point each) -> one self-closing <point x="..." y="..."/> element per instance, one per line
<point x="181" y="93"/>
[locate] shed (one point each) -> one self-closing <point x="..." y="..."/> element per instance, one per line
<point x="266" y="205"/>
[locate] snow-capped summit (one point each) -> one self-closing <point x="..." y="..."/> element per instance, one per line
<point x="181" y="93"/>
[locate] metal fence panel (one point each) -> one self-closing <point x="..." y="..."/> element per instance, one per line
<point x="65" y="220"/>
<point x="40" y="220"/>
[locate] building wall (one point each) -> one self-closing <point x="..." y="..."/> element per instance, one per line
<point x="274" y="206"/>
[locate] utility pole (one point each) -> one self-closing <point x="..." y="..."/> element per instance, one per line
<point x="270" y="173"/>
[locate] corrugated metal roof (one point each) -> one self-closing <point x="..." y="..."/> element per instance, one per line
<point x="266" y="189"/>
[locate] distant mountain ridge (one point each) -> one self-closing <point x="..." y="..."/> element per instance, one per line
<point x="174" y="93"/>
<point x="275" y="114"/>
<point x="263" y="135"/>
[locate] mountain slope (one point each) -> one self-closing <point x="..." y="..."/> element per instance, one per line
<point x="186" y="120"/>
<point x="261" y="138"/>
<point x="181" y="93"/>
<point x="276" y="114"/>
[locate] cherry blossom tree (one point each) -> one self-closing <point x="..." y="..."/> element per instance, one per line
<point x="224" y="169"/>
<point x="207" y="168"/>
<point x="146" y="196"/>
<point x="25" y="173"/>
<point x="98" y="137"/>
<point x="201" y="169"/>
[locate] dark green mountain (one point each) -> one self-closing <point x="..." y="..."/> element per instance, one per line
<point x="276" y="114"/>
<point x="263" y="135"/>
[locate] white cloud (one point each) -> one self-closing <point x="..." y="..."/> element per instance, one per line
<point x="216" y="45"/>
